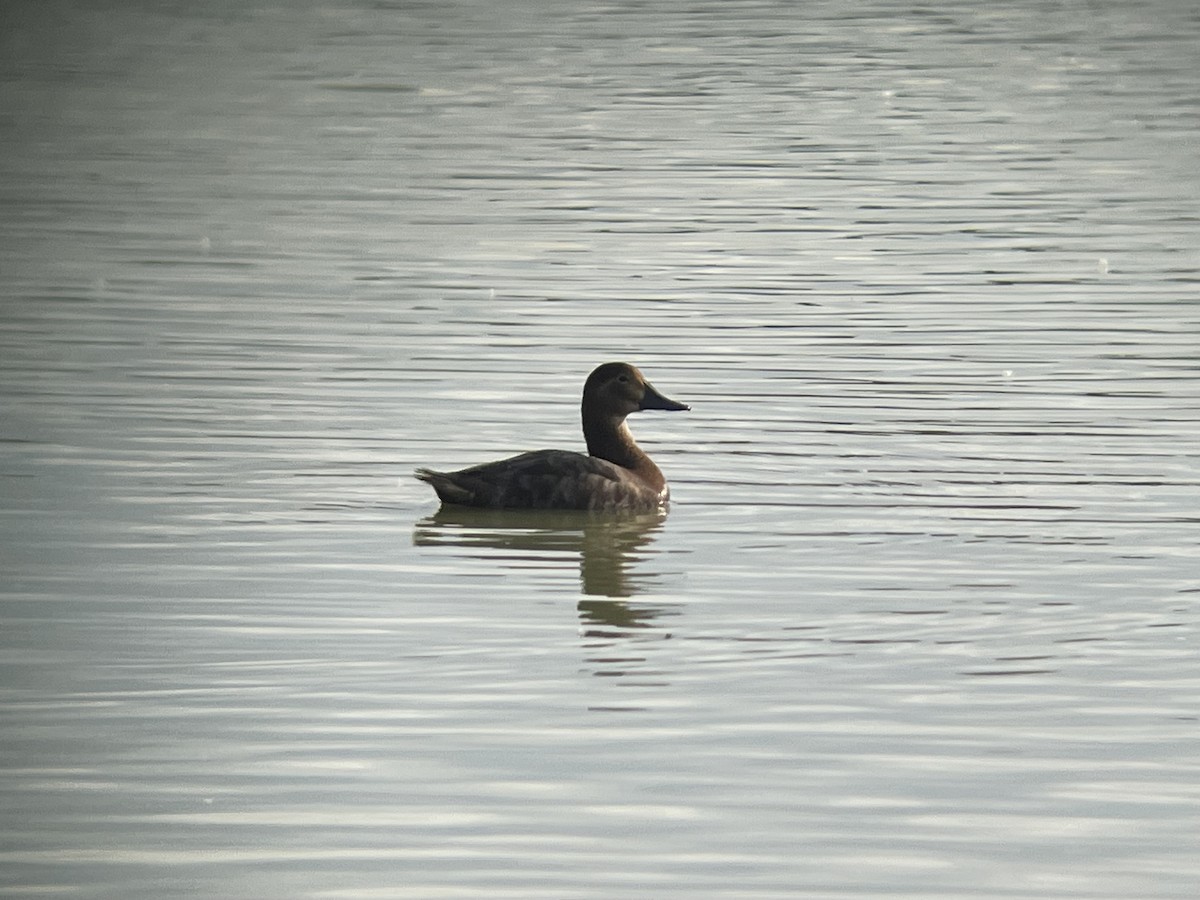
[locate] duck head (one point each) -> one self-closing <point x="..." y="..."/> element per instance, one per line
<point x="617" y="389"/>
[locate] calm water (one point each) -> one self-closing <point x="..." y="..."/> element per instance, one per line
<point x="922" y="621"/>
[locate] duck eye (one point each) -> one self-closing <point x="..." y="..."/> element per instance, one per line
<point x="624" y="379"/>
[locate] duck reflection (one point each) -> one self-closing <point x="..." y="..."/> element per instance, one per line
<point x="607" y="545"/>
<point x="613" y="568"/>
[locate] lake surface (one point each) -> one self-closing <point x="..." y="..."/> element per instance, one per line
<point x="922" y="619"/>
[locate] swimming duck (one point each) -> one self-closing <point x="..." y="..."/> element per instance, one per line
<point x="615" y="475"/>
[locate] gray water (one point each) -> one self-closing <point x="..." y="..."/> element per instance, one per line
<point x="922" y="619"/>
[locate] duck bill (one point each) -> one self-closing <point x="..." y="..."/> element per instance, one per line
<point x="652" y="399"/>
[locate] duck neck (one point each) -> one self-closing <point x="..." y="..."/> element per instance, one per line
<point x="612" y="440"/>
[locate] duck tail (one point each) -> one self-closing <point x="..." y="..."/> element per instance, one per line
<point x="447" y="489"/>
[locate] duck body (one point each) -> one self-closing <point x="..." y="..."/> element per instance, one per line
<point x="615" y="475"/>
<point x="548" y="479"/>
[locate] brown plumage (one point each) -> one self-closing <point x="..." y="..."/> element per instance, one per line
<point x="615" y="475"/>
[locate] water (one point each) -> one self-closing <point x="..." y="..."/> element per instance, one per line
<point x="922" y="619"/>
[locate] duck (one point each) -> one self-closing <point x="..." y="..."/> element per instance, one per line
<point x="615" y="475"/>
